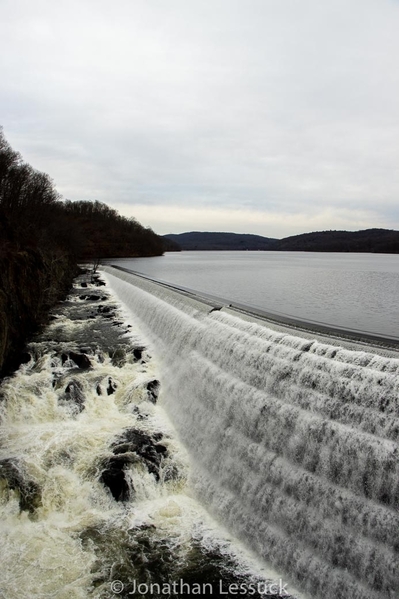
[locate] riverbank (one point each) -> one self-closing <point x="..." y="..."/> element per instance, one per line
<point x="31" y="283"/>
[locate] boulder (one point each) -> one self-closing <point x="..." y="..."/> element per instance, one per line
<point x="81" y="360"/>
<point x="138" y="353"/>
<point x="153" y="391"/>
<point x="74" y="392"/>
<point x="28" y="490"/>
<point x="112" y="386"/>
<point x="113" y="477"/>
<point x="132" y="447"/>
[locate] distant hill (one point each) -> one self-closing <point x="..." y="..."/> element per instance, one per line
<point x="370" y="240"/>
<point x="221" y="241"/>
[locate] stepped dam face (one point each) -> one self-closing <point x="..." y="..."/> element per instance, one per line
<point x="292" y="438"/>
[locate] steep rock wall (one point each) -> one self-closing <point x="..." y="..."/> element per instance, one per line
<point x="30" y="284"/>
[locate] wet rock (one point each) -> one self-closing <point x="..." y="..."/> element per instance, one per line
<point x="100" y="358"/>
<point x="92" y="298"/>
<point x="113" y="477"/>
<point x="153" y="391"/>
<point x="112" y="386"/>
<point x="28" y="490"/>
<point x="138" y="353"/>
<point x="122" y="448"/>
<point x="118" y="357"/>
<point x="145" y="446"/>
<point x="132" y="447"/>
<point x="84" y="284"/>
<point x="97" y="281"/>
<point x="98" y="389"/>
<point x="81" y="360"/>
<point x="85" y="350"/>
<point x="106" y="311"/>
<point x="74" y="392"/>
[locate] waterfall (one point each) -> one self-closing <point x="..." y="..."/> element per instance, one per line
<point x="293" y="439"/>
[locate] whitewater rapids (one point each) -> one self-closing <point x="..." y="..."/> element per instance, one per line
<point x="94" y="492"/>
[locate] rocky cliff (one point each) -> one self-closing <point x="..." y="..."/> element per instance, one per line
<point x="30" y="284"/>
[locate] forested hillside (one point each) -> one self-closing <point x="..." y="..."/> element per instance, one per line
<point x="370" y="240"/>
<point x="196" y="240"/>
<point x="42" y="238"/>
<point x="100" y="232"/>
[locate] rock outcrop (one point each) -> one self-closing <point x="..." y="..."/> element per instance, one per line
<point x="30" y="284"/>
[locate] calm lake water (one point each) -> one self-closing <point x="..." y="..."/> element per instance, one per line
<point x="354" y="291"/>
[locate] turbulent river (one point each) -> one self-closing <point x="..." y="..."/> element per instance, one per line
<point x="149" y="433"/>
<point x="94" y="494"/>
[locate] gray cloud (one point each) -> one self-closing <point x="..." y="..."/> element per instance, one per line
<point x="274" y="117"/>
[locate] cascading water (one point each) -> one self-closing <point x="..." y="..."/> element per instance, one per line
<point x="293" y="442"/>
<point x="93" y="482"/>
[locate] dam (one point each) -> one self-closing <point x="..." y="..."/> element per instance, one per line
<point x="292" y="436"/>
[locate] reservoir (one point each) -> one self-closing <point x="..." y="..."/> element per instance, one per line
<point x="344" y="290"/>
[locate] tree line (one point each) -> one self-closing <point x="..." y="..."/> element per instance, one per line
<point x="370" y="241"/>
<point x="33" y="215"/>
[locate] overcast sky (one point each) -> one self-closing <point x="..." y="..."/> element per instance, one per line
<point x="272" y="117"/>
